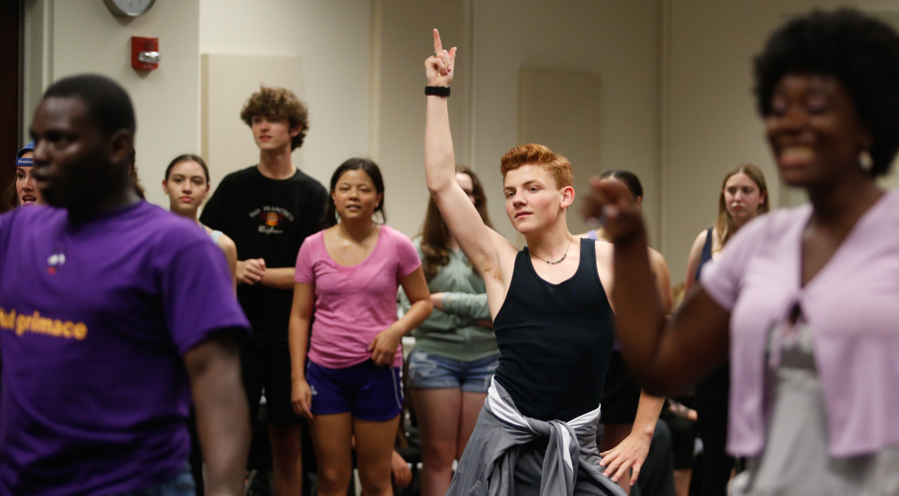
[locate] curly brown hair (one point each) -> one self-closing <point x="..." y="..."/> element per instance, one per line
<point x="281" y="102"/>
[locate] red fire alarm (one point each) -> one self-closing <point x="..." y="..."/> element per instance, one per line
<point x="144" y="53"/>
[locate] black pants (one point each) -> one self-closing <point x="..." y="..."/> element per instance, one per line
<point x="712" y="395"/>
<point x="657" y="474"/>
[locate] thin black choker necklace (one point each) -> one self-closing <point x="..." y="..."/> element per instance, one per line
<point x="564" y="256"/>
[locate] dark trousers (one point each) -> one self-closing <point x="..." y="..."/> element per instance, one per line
<point x="712" y="396"/>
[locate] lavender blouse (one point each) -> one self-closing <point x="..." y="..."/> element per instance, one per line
<point x="852" y="305"/>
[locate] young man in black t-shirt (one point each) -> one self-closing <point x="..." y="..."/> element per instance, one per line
<point x="268" y="210"/>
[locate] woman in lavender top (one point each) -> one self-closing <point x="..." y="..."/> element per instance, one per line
<point x="187" y="185"/>
<point x="804" y="299"/>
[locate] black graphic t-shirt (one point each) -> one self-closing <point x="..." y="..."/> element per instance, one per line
<point x="269" y="219"/>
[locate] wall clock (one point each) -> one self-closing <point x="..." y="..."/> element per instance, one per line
<point x="129" y="8"/>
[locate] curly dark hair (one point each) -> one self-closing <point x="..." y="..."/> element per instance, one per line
<point x="281" y="102"/>
<point x="856" y="49"/>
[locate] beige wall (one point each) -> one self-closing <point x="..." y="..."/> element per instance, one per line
<point x="709" y="117"/>
<point x="66" y="37"/>
<point x="617" y="40"/>
<point x="676" y="103"/>
<point x="403" y="42"/>
<point x="332" y="40"/>
<point x="363" y="79"/>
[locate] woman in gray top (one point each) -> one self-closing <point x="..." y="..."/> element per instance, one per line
<point x="455" y="349"/>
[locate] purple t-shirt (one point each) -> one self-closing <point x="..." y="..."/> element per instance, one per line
<point x="353" y="304"/>
<point x="94" y="320"/>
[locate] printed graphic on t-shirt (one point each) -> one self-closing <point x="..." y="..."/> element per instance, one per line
<point x="36" y="324"/>
<point x="271" y="219"/>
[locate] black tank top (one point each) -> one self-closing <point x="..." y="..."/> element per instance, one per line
<point x="555" y="340"/>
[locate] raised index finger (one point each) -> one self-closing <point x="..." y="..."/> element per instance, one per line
<point x="437" y="45"/>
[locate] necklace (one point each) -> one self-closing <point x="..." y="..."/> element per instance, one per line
<point x="564" y="256"/>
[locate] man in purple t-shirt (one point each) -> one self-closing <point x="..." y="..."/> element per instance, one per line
<point x="112" y="311"/>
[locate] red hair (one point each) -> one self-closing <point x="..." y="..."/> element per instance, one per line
<point x="558" y="166"/>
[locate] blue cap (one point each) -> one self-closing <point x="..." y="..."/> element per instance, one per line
<point x="25" y="162"/>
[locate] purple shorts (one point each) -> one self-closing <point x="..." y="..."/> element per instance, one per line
<point x="366" y="391"/>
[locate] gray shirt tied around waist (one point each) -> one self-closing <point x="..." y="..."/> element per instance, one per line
<point x="502" y="459"/>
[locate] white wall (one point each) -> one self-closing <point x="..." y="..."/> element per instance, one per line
<point x="709" y="114"/>
<point x="333" y="41"/>
<point x="66" y="37"/>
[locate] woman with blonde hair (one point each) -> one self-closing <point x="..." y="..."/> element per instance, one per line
<point x="744" y="195"/>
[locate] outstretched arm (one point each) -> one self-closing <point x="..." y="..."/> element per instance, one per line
<point x="664" y="355"/>
<point x="477" y="241"/>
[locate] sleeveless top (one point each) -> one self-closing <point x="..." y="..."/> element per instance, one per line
<point x="706" y="253"/>
<point x="215" y="235"/>
<point x="555" y="340"/>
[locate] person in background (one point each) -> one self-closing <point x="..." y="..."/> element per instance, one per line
<point x="114" y="314"/>
<point x="135" y="180"/>
<point x="186" y="184"/>
<point x="629" y="416"/>
<point x="743" y="196"/>
<point x="802" y="300"/>
<point x="350" y="386"/>
<point x="455" y="350"/>
<point x="268" y="210"/>
<point x="23" y="191"/>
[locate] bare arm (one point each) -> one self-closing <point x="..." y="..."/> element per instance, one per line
<point x="664" y="357"/>
<point x="280" y="278"/>
<point x="230" y="250"/>
<point x="662" y="278"/>
<point x="633" y="450"/>
<point x="694" y="260"/>
<point x="385" y="344"/>
<point x="298" y="341"/>
<point x="222" y="413"/>
<point x="477" y="241"/>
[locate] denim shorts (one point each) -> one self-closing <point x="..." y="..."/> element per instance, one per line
<point x="430" y="371"/>
<point x="180" y="485"/>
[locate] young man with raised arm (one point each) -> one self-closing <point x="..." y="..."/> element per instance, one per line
<point x="552" y="317"/>
<point x="268" y="210"/>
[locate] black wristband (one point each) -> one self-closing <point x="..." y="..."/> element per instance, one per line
<point x="437" y="90"/>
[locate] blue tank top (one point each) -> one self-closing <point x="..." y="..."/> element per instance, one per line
<point x="706" y="253"/>
<point x="215" y="235"/>
<point x="555" y="340"/>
